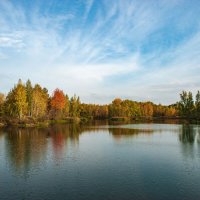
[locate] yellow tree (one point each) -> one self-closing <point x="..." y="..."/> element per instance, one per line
<point x="39" y="101"/>
<point x="2" y="99"/>
<point x="20" y="99"/>
<point x="147" y="109"/>
<point x="115" y="109"/>
<point x="16" y="104"/>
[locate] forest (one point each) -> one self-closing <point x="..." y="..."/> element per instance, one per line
<point x="30" y="104"/>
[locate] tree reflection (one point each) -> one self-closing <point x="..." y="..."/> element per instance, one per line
<point x="189" y="138"/>
<point x="187" y="134"/>
<point x="1" y="133"/>
<point x="62" y="135"/>
<point x="27" y="147"/>
<point x="125" y="132"/>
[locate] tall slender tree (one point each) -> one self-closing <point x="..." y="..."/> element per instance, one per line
<point x="197" y="104"/>
<point x="75" y="106"/>
<point x="66" y="109"/>
<point x="40" y="101"/>
<point x="2" y="100"/>
<point x="29" y="96"/>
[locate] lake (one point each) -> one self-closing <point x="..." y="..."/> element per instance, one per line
<point x="100" y="161"/>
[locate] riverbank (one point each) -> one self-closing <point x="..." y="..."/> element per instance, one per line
<point x="31" y="122"/>
<point x="42" y="123"/>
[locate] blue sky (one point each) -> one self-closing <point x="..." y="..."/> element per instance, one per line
<point x="102" y="49"/>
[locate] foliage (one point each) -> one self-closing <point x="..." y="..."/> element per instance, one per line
<point x="66" y="108"/>
<point x="75" y="106"/>
<point x="39" y="101"/>
<point x="186" y="104"/>
<point x="29" y="97"/>
<point x="16" y="101"/>
<point x="25" y="101"/>
<point x="58" y="100"/>
<point x="2" y="100"/>
<point x="197" y="104"/>
<point x="58" y="103"/>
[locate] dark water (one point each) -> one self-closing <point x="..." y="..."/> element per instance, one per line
<point x="136" y="161"/>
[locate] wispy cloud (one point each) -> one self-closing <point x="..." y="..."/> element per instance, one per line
<point x="11" y="41"/>
<point x="141" y="50"/>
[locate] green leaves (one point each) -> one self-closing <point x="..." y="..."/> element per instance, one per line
<point x="186" y="104"/>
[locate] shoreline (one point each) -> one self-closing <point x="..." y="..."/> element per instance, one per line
<point x="33" y="123"/>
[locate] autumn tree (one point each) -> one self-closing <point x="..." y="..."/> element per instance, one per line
<point x="130" y="108"/>
<point x="115" y="108"/>
<point x="75" y="106"/>
<point x="164" y="111"/>
<point x="67" y="104"/>
<point x="58" y="102"/>
<point x="87" y="111"/>
<point x="2" y="100"/>
<point x="29" y="97"/>
<point x="20" y="99"/>
<point x="25" y="100"/>
<point x="147" y="109"/>
<point x="10" y="106"/>
<point x="170" y="111"/>
<point x="16" y="101"/>
<point x="94" y="111"/>
<point x="158" y="110"/>
<point x="101" y="112"/>
<point x="39" y="101"/>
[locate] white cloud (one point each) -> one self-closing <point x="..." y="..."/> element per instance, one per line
<point x="11" y="41"/>
<point x="64" y="50"/>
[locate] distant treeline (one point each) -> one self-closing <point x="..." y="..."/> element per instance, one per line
<point x="25" y="101"/>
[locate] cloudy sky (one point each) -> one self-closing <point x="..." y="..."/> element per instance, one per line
<point x="102" y="49"/>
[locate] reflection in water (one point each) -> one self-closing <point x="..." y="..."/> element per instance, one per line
<point x="151" y="161"/>
<point x="189" y="138"/>
<point x="1" y="134"/>
<point x="187" y="134"/>
<point x="118" y="133"/>
<point x="62" y="134"/>
<point x="27" y="147"/>
<point x="132" y="130"/>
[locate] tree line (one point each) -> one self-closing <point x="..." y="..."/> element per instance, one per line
<point x="28" y="101"/>
<point x="25" y="100"/>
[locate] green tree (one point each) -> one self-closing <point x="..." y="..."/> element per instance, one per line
<point x="75" y="106"/>
<point x="186" y="104"/>
<point x="29" y="96"/>
<point x="197" y="104"/>
<point x="67" y="104"/>
<point x="10" y="106"/>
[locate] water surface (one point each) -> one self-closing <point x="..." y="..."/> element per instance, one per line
<point x="131" y="161"/>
